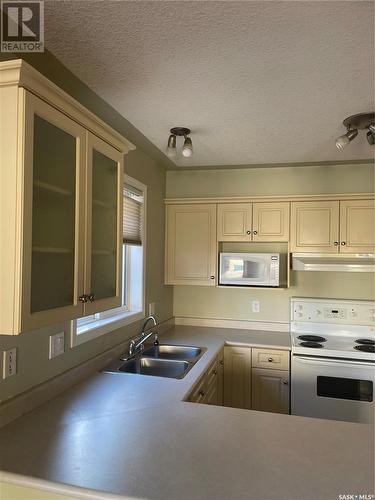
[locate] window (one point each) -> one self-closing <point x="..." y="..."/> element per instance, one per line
<point x="133" y="259"/>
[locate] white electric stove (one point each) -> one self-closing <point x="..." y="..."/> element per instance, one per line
<point x="333" y="359"/>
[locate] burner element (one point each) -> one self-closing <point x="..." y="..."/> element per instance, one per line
<point x="365" y="341"/>
<point x="310" y="344"/>
<point x="312" y="338"/>
<point x="365" y="348"/>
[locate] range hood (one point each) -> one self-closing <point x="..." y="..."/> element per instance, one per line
<point x="350" y="262"/>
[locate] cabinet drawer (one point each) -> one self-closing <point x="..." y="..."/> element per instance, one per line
<point x="270" y="358"/>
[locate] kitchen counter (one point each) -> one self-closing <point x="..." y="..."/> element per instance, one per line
<point x="134" y="436"/>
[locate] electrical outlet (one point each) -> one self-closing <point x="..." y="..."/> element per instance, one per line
<point x="9" y="362"/>
<point x="56" y="344"/>
<point x="151" y="308"/>
<point x="255" y="306"/>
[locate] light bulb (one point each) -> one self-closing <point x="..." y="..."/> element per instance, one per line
<point x="370" y="138"/>
<point x="171" y="147"/>
<point x="187" y="150"/>
<point x="343" y="140"/>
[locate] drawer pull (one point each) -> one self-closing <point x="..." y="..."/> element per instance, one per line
<point x="201" y="393"/>
<point x="222" y="362"/>
<point x="285" y="382"/>
<point x="270" y="360"/>
<point x="214" y="372"/>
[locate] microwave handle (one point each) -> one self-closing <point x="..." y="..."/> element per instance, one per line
<point x="325" y="361"/>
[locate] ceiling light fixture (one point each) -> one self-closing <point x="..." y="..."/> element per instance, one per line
<point x="362" y="121"/>
<point x="187" y="149"/>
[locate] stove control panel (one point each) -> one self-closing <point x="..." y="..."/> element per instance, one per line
<point x="348" y="312"/>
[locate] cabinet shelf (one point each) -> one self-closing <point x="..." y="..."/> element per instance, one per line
<point x="52" y="188"/>
<point x="103" y="252"/>
<point x="60" y="250"/>
<point x="103" y="204"/>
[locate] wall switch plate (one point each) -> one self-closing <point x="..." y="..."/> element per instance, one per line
<point x="9" y="362"/>
<point x="255" y="306"/>
<point x="56" y="344"/>
<point x="151" y="308"/>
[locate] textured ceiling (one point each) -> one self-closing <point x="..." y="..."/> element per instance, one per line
<point x="258" y="82"/>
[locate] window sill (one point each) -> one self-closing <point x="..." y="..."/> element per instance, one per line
<point x="102" y="326"/>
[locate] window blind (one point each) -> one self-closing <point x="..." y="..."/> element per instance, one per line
<point x="132" y="215"/>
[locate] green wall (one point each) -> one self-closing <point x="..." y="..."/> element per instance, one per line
<point x="34" y="367"/>
<point x="210" y="302"/>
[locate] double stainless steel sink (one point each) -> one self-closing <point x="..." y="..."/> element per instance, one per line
<point x="164" y="360"/>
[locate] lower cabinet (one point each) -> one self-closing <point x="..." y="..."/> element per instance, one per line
<point x="237" y="377"/>
<point x="247" y="378"/>
<point x="270" y="390"/>
<point x="209" y="388"/>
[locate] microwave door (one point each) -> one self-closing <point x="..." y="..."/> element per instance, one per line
<point x="255" y="272"/>
<point x="242" y="271"/>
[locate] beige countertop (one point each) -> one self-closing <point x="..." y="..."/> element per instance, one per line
<point x="134" y="436"/>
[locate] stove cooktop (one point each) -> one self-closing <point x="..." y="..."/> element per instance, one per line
<point x="333" y="328"/>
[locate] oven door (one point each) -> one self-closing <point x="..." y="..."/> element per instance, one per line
<point x="336" y="389"/>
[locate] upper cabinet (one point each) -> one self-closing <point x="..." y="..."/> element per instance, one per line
<point x="357" y="226"/>
<point x="333" y="226"/>
<point x="271" y="221"/>
<point x="60" y="206"/>
<point x="191" y="245"/>
<point x="234" y="221"/>
<point x="315" y="226"/>
<point x="253" y="222"/>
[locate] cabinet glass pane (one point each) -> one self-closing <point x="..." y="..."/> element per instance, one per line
<point x="53" y="218"/>
<point x="104" y="226"/>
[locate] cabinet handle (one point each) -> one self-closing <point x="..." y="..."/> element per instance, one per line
<point x="335" y="243"/>
<point x="255" y="232"/>
<point x="212" y="277"/>
<point x="214" y="372"/>
<point x="221" y="362"/>
<point x="343" y="243"/>
<point x="270" y="360"/>
<point x="201" y="393"/>
<point x="285" y="382"/>
<point x="91" y="297"/>
<point x="248" y="232"/>
<point x="83" y="298"/>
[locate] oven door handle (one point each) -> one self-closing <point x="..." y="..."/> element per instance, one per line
<point x="326" y="361"/>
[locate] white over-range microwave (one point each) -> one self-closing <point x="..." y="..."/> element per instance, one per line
<point x="249" y="269"/>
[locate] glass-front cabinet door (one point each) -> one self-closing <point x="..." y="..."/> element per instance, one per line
<point x="103" y="254"/>
<point x="54" y="164"/>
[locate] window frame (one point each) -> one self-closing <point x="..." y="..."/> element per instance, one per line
<point x="104" y="322"/>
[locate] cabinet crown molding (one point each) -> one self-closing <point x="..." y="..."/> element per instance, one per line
<point x="18" y="72"/>
<point x="259" y="199"/>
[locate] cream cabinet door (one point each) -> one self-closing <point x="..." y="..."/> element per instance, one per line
<point x="191" y="245"/>
<point x="53" y="208"/>
<point x="211" y="396"/>
<point x="357" y="226"/>
<point x="270" y="390"/>
<point x="315" y="226"/>
<point x="103" y="255"/>
<point x="220" y="379"/>
<point x="237" y="377"/>
<point x="234" y="221"/>
<point x="271" y="221"/>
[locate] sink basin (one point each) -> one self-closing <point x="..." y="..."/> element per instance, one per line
<point x="156" y="367"/>
<point x="179" y="352"/>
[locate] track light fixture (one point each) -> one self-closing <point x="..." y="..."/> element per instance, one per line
<point x="187" y="149"/>
<point x="362" y="121"/>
